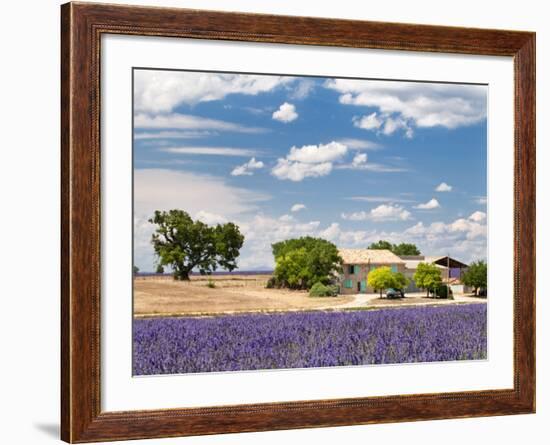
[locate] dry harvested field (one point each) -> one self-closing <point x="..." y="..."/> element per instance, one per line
<point x="232" y="293"/>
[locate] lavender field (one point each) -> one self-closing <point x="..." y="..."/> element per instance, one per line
<point x="309" y="339"/>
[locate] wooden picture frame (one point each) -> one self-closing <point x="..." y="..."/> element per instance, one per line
<point x="82" y="26"/>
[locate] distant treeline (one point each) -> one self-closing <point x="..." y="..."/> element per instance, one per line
<point x="216" y="273"/>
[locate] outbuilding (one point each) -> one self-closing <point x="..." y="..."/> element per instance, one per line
<point x="451" y="270"/>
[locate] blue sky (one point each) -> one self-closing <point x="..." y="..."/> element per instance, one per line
<point x="350" y="160"/>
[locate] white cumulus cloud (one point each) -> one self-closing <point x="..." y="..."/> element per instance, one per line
<point x="210" y="218"/>
<point x="162" y="91"/>
<point x="478" y="216"/>
<point x="303" y="89"/>
<point x="359" y="160"/>
<point x="309" y="161"/>
<point x="443" y="187"/>
<point x="383" y="123"/>
<point x="463" y="239"/>
<point x="388" y="212"/>
<point x="286" y="218"/>
<point x="466" y="242"/>
<point x="261" y="231"/>
<point x="430" y="205"/>
<point x="297" y="171"/>
<point x="297" y="207"/>
<point x="313" y="154"/>
<point x="392" y="124"/>
<point x="332" y="232"/>
<point x="247" y="168"/>
<point x="370" y="122"/>
<point x="384" y="212"/>
<point x="472" y="229"/>
<point x="404" y="105"/>
<point x="286" y="113"/>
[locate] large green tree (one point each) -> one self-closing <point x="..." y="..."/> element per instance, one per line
<point x="427" y="276"/>
<point x="381" y="245"/>
<point x="398" y="249"/>
<point x="185" y="244"/>
<point x="302" y="262"/>
<point x="383" y="278"/>
<point x="476" y="276"/>
<point x="405" y="249"/>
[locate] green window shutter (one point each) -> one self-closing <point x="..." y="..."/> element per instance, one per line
<point x="356" y="270"/>
<point x="394" y="268"/>
<point x="348" y="284"/>
<point x="363" y="286"/>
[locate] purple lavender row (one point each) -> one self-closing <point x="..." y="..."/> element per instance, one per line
<point x="309" y="339"/>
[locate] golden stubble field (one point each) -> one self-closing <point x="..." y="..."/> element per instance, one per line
<point x="163" y="296"/>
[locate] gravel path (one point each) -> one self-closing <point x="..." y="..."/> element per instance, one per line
<point x="411" y="299"/>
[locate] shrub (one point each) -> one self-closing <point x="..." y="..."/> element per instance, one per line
<point x="444" y="291"/>
<point x="273" y="283"/>
<point x="320" y="290"/>
<point x="211" y="284"/>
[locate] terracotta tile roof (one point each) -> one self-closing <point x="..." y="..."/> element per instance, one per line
<point x="365" y="256"/>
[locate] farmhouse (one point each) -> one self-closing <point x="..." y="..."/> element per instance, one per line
<point x="359" y="262"/>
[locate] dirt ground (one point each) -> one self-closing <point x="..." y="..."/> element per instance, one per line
<point x="387" y="302"/>
<point x="233" y="293"/>
<point x="412" y="299"/>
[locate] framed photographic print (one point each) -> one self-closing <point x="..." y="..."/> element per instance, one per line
<point x="279" y="222"/>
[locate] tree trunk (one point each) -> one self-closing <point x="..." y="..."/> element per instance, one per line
<point x="181" y="274"/>
<point x="427" y="293"/>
